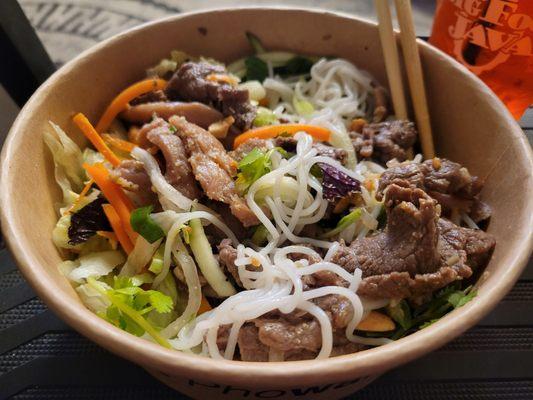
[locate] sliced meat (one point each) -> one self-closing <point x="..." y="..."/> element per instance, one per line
<point x="417" y="253"/>
<point x="409" y="242"/>
<point x="150" y="97"/>
<point x="178" y="172"/>
<point x="284" y="335"/>
<point x="288" y="143"/>
<point x="246" y="147"/>
<point x="385" y="141"/>
<point x="191" y="82"/>
<point x="250" y="347"/>
<point x="130" y="174"/>
<point x="448" y="182"/>
<point x="226" y="256"/>
<point x="196" y="113"/>
<point x="213" y="168"/>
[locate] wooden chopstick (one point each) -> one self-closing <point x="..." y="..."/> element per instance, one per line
<point x="415" y="75"/>
<point x="392" y="58"/>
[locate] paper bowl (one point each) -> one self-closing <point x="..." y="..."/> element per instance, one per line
<point x="470" y="126"/>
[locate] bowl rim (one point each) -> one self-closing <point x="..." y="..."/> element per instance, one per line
<point x="279" y="374"/>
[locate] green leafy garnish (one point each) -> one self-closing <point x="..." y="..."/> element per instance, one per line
<point x="129" y="304"/>
<point x="142" y="223"/>
<point x="252" y="167"/>
<point x="344" y="223"/>
<point x="157" y="260"/>
<point x="264" y="117"/>
<point x="255" y="43"/>
<point x="297" y="65"/>
<point x="259" y="237"/>
<point x="302" y="107"/>
<point x="256" y="69"/>
<point x="444" y="301"/>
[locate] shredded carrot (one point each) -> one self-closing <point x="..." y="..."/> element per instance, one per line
<point x="109" y="236"/>
<point x="263" y="102"/>
<point x="114" y="194"/>
<point x="88" y="130"/>
<point x="117" y="143"/>
<point x="271" y="131"/>
<point x="118" y="227"/>
<point x="80" y="197"/>
<point x="204" y="306"/>
<point x="120" y="102"/>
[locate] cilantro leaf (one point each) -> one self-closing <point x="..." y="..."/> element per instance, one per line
<point x="142" y="223"/>
<point x="252" y="167"/>
<point x="256" y="69"/>
<point x="298" y="65"/>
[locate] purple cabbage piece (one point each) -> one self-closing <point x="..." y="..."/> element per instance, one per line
<point x="337" y="184"/>
<point x="85" y="222"/>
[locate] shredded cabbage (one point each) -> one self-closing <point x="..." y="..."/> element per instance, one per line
<point x="68" y="161"/>
<point x="96" y="265"/>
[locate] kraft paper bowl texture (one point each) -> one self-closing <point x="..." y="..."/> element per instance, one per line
<point x="470" y="125"/>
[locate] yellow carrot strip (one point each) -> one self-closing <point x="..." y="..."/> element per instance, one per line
<point x="88" y="130"/>
<point x="271" y="131"/>
<point x="80" y="196"/>
<point x="204" y="306"/>
<point x="120" y="102"/>
<point x="222" y="78"/>
<point x="118" y="227"/>
<point x="117" y="143"/>
<point x="114" y="194"/>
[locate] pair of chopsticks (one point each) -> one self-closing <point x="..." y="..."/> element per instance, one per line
<point x="413" y="67"/>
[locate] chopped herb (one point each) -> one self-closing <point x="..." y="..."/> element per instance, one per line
<point x="303" y="107"/>
<point x="157" y="260"/>
<point x="298" y="65"/>
<point x="264" y="117"/>
<point x="129" y="305"/>
<point x="172" y="128"/>
<point x="316" y="171"/>
<point x="260" y="235"/>
<point x="252" y="167"/>
<point x="444" y="301"/>
<point x="87" y="221"/>
<point x="344" y="223"/>
<point x="142" y="223"/>
<point x="256" y="69"/>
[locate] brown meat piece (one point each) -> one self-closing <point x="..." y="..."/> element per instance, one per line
<point x="446" y="181"/>
<point x="190" y="83"/>
<point x="130" y="174"/>
<point x="226" y="256"/>
<point x="246" y="147"/>
<point x="385" y="140"/>
<point x="178" y="171"/>
<point x="417" y="253"/>
<point x="409" y="242"/>
<point x="150" y="97"/>
<point x="250" y="347"/>
<point x="196" y="113"/>
<point x="213" y="168"/>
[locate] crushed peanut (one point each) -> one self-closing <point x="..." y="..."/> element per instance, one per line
<point x="436" y="163"/>
<point x="358" y="124"/>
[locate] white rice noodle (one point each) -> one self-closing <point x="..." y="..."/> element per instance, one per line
<point x="140" y="256"/>
<point x="173" y="239"/>
<point x="276" y="284"/>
